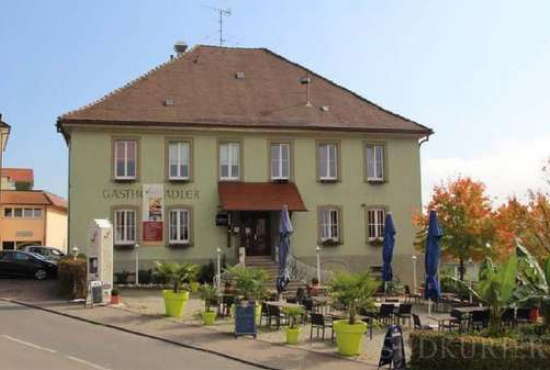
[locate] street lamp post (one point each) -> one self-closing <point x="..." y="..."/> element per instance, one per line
<point x="318" y="255"/>
<point x="415" y="283"/>
<point x="218" y="269"/>
<point x="471" y="263"/>
<point x="136" y="248"/>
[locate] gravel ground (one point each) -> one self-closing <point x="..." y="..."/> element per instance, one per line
<point x="29" y="290"/>
<point x="150" y="302"/>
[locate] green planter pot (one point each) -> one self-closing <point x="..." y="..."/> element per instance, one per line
<point x="209" y="318"/>
<point x="349" y="338"/>
<point x="258" y="312"/>
<point x="174" y="302"/>
<point x="292" y="335"/>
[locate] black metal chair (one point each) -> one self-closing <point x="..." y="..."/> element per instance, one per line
<point x="418" y="324"/>
<point x="227" y="302"/>
<point x="265" y="314"/>
<point x="386" y="313"/>
<point x="403" y="313"/>
<point x="523" y="316"/>
<point x="509" y="318"/>
<point x="480" y="320"/>
<point x="275" y="312"/>
<point x="319" y="322"/>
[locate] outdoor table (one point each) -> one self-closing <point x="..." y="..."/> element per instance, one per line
<point x="283" y="304"/>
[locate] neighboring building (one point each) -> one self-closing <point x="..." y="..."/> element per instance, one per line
<point x="17" y="179"/>
<point x="232" y="133"/>
<point x="4" y="135"/>
<point x="32" y="218"/>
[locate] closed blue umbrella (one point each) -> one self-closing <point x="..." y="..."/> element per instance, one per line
<point x="387" y="250"/>
<point x="433" y="248"/>
<point x="285" y="230"/>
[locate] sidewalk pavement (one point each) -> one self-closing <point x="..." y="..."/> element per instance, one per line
<point x="244" y="349"/>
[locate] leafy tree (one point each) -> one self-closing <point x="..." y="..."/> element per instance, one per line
<point x="465" y="214"/>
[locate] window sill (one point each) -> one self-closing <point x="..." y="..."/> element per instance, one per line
<point x="182" y="245"/>
<point x="376" y="181"/>
<point x="330" y="243"/>
<point x="182" y="180"/>
<point x="229" y="180"/>
<point x="280" y="180"/>
<point x="125" y="247"/>
<point x="376" y="242"/>
<point x="135" y="179"/>
<point x="329" y="181"/>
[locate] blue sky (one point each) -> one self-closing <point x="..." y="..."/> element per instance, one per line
<point x="475" y="71"/>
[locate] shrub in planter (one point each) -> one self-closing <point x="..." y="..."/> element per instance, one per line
<point x="250" y="285"/>
<point x="293" y="331"/>
<point x="352" y="291"/>
<point x="73" y="278"/>
<point x="177" y="275"/>
<point x="210" y="295"/>
<point x="443" y="351"/>
<point x="146" y="276"/>
<point x="115" y="296"/>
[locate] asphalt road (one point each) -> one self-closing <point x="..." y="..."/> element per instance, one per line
<point x="31" y="339"/>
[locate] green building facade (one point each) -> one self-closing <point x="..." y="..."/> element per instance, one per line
<point x="202" y="152"/>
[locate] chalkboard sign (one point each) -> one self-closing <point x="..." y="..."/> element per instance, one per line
<point x="393" y="350"/>
<point x="245" y="319"/>
<point x="97" y="292"/>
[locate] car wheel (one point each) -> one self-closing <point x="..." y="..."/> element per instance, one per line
<point x="40" y="274"/>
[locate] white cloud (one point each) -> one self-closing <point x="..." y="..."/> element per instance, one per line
<point x="507" y="167"/>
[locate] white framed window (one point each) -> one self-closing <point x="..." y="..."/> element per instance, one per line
<point x="37" y="213"/>
<point x="125" y="227"/>
<point x="179" y="160"/>
<point x="125" y="159"/>
<point x="28" y="212"/>
<point x="229" y="161"/>
<point x="8" y="212"/>
<point x="330" y="224"/>
<point x="328" y="161"/>
<point x="280" y="161"/>
<point x="18" y="212"/>
<point x="179" y="226"/>
<point x="376" y="220"/>
<point x="375" y="162"/>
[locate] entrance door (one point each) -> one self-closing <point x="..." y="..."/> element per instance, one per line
<point x="256" y="236"/>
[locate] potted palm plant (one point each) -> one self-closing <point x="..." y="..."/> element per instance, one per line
<point x="293" y="331"/>
<point x="250" y="286"/>
<point x="176" y="275"/>
<point x="351" y="291"/>
<point x="210" y="295"/>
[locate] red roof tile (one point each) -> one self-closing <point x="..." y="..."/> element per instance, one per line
<point x="15" y="197"/>
<point x="259" y="196"/>
<point x="19" y="174"/>
<point x="200" y="88"/>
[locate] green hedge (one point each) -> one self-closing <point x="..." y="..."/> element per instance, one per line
<point x="73" y="277"/>
<point x="443" y="351"/>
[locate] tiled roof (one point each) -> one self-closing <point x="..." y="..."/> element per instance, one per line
<point x="260" y="196"/>
<point x="15" y="197"/>
<point x="200" y="88"/>
<point x="19" y="174"/>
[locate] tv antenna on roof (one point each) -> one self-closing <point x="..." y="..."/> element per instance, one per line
<point x="222" y="13"/>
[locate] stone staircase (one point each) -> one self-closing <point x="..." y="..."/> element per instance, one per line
<point x="268" y="264"/>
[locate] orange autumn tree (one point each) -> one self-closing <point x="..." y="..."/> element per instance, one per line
<point x="465" y="216"/>
<point x="512" y="221"/>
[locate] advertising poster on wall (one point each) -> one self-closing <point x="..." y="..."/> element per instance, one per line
<point x="153" y="206"/>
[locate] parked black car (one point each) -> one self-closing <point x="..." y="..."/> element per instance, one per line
<point x="23" y="264"/>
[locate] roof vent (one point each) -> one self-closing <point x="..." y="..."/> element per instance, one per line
<point x="305" y="80"/>
<point x="169" y="103"/>
<point x="325" y="108"/>
<point x="180" y="47"/>
<point x="239" y="75"/>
